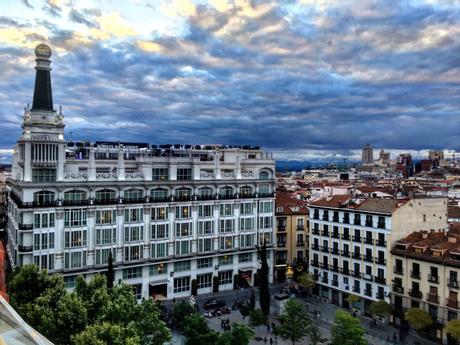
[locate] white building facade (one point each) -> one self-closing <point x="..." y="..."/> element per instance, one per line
<point x="171" y="216"/>
<point x="350" y="242"/>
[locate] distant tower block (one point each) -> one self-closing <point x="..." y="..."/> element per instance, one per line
<point x="367" y="155"/>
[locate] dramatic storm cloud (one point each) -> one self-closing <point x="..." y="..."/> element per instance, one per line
<point x="314" y="79"/>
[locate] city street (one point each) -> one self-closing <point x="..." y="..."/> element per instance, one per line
<point x="379" y="335"/>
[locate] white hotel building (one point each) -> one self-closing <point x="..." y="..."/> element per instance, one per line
<point x="351" y="239"/>
<point x="169" y="214"/>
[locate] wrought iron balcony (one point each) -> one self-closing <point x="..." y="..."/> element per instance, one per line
<point x="415" y="274"/>
<point x="452" y="283"/>
<point x="415" y="294"/>
<point x="433" y="279"/>
<point x="398" y="270"/>
<point x="433" y="298"/>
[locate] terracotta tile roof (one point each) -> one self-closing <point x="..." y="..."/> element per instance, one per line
<point x="290" y="205"/>
<point x="334" y="201"/>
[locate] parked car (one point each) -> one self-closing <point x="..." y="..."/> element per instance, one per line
<point x="214" y="303"/>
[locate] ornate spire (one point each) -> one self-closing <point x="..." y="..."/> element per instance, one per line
<point x="43" y="98"/>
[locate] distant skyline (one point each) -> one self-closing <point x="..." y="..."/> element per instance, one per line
<point x="309" y="80"/>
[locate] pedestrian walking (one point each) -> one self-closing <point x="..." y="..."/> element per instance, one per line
<point x="265" y="340"/>
<point x="268" y="327"/>
<point x="271" y="341"/>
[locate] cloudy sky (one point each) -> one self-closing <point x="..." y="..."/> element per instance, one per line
<point x="314" y="79"/>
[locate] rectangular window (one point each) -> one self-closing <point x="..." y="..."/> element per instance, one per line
<point x="247" y="240"/>
<point x="134" y="234"/>
<point x="204" y="263"/>
<point x="134" y="215"/>
<point x="159" y="250"/>
<point x="265" y="222"/>
<point x="183" y="212"/>
<point x="246" y="224"/>
<point x="159" y="269"/>
<point x="247" y="208"/>
<point x="160" y="174"/>
<point x="74" y="260"/>
<point x="204" y="280"/>
<point x="159" y="231"/>
<point x="225" y="260"/>
<point x="43" y="175"/>
<point x="225" y="277"/>
<point x="159" y="213"/>
<point x="132" y="272"/>
<point x="75" y="238"/>
<point x="102" y="255"/>
<point x="181" y="284"/>
<point x="226" y="242"/>
<point x="182" y="266"/>
<point x="226" y="225"/>
<point x="184" y="174"/>
<point x="205" y="211"/>
<point x="75" y="217"/>
<point x="134" y="253"/>
<point x="266" y="207"/>
<point x="205" y="227"/>
<point x="205" y="245"/>
<point x="245" y="257"/>
<point x="106" y="217"/>
<point x="183" y="247"/>
<point x="106" y="236"/>
<point x="226" y="209"/>
<point x="183" y="229"/>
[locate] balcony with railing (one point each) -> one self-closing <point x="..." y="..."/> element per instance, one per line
<point x="345" y="253"/>
<point x="357" y="256"/>
<point x="315" y="247"/>
<point x="380" y="295"/>
<point x="381" y="261"/>
<point x="325" y="266"/>
<point x="26" y="226"/>
<point x="453" y="284"/>
<point x="357" y="274"/>
<point x="398" y="270"/>
<point x="300" y="243"/>
<point x="300" y="228"/>
<point x="357" y="239"/>
<point x="368" y="240"/>
<point x="432" y="278"/>
<point x="334" y="268"/>
<point x="415" y="293"/>
<point x="346" y="219"/>
<point x="334" y="282"/>
<point x="398" y="288"/>
<point x="325" y="249"/>
<point x="380" y="280"/>
<point x="381" y="243"/>
<point x="325" y="280"/>
<point x="356" y="289"/>
<point x="315" y="263"/>
<point x="432" y="297"/>
<point x="315" y="231"/>
<point x="381" y="225"/>
<point x="346" y="237"/>
<point x="335" y="234"/>
<point x="25" y="249"/>
<point x="368" y="292"/>
<point x="335" y="219"/>
<point x="368" y="258"/>
<point x="367" y="277"/>
<point x="335" y="251"/>
<point x="281" y="228"/>
<point x="325" y="233"/>
<point x="281" y="244"/>
<point x="415" y="274"/>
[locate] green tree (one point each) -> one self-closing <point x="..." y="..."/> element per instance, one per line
<point x="257" y="318"/>
<point x="239" y="335"/>
<point x="313" y="334"/>
<point x="380" y="308"/>
<point x="121" y="306"/>
<point x="347" y="330"/>
<point x="94" y="295"/>
<point x="26" y="283"/>
<point x="295" y="323"/>
<point x="307" y="281"/>
<point x="264" y="292"/>
<point x="453" y="328"/>
<point x="197" y="331"/>
<point x="180" y="312"/>
<point x="352" y="299"/>
<point x="153" y="331"/>
<point x="108" y="334"/>
<point x="418" y="318"/>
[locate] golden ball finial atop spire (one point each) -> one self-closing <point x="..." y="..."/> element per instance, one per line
<point x="43" y="51"/>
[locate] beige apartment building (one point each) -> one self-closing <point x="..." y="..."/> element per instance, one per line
<point x="291" y="234"/>
<point x="350" y="243"/>
<point x="426" y="271"/>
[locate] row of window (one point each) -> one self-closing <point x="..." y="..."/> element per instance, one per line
<point x="369" y="219"/>
<point x="358" y="235"/>
<point x="78" y="196"/>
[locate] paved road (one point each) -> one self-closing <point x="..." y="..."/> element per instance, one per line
<point x="380" y="335"/>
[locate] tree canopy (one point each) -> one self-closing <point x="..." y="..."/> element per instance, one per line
<point x="307" y="280"/>
<point x="347" y="330"/>
<point x="418" y="318"/>
<point x="380" y="308"/>
<point x="295" y="323"/>
<point x="453" y="328"/>
<point x="91" y="314"/>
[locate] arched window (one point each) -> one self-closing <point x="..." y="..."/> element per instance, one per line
<point x="264" y="175"/>
<point x="74" y="197"/>
<point x="226" y="193"/>
<point x="106" y="196"/>
<point x="183" y="194"/>
<point x="133" y="195"/>
<point x="159" y="194"/>
<point x="44" y="197"/>
<point x="205" y="193"/>
<point x="246" y="191"/>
